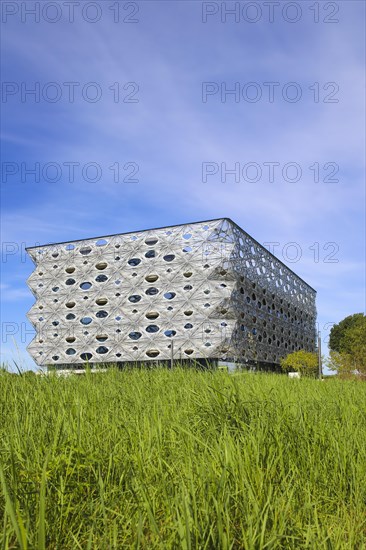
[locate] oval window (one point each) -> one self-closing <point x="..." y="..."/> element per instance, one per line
<point x="101" y="301"/>
<point x="152" y="315"/>
<point x="101" y="278"/>
<point x="169" y="295"/>
<point x="153" y="353"/>
<point x="134" y="261"/>
<point x="86" y="356"/>
<point x="70" y="351"/>
<point x="85" y="286"/>
<point x="187" y="274"/>
<point x="150" y="254"/>
<point x="101" y="337"/>
<point x="70" y="282"/>
<point x="55" y="357"/>
<point x="69" y="247"/>
<point x="187" y="236"/>
<point x="70" y="316"/>
<point x="150" y="241"/>
<point x="188" y="287"/>
<point x="152" y="291"/>
<point x="70" y="305"/>
<point x="135" y="335"/>
<point x="169" y="257"/>
<point x="70" y="269"/>
<point x="86" y="250"/>
<point x="70" y="339"/>
<point x="55" y="289"/>
<point x="152" y="328"/>
<point x="101" y="314"/>
<point x="188" y="313"/>
<point x="170" y="333"/>
<point x="86" y="320"/>
<point x="101" y="265"/>
<point x="188" y="325"/>
<point x="188" y="351"/>
<point x="151" y="278"/>
<point x="101" y="242"/>
<point x="134" y="298"/>
<point x="187" y="249"/>
<point x="102" y="350"/>
<point x="55" y="323"/>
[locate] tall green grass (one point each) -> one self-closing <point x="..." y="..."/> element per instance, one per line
<point x="182" y="459"/>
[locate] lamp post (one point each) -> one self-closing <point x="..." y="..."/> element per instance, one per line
<point x="171" y="353"/>
<point x="319" y="356"/>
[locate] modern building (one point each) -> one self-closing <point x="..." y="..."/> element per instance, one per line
<point x="202" y="292"/>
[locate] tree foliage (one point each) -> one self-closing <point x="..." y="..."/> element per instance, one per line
<point x="338" y="331"/>
<point x="301" y="361"/>
<point x="351" y="356"/>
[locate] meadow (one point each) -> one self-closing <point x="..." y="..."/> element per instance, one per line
<point x="182" y="459"/>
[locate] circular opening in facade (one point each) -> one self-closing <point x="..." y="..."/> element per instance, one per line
<point x="86" y="320"/>
<point x="152" y="328"/>
<point x="101" y="314"/>
<point x="152" y="315"/>
<point x="152" y="291"/>
<point x="85" y="286"/>
<point x="135" y="335"/>
<point x="134" y="298"/>
<point x="150" y="241"/>
<point x="101" y="278"/>
<point x="150" y="254"/>
<point x="134" y="261"/>
<point x="151" y="278"/>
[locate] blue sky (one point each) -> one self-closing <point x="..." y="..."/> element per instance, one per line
<point x="162" y="128"/>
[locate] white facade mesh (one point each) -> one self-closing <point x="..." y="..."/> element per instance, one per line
<point x="207" y="286"/>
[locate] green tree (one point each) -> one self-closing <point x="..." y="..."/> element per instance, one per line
<point x="338" y="331"/>
<point x="351" y="358"/>
<point x="301" y="361"/>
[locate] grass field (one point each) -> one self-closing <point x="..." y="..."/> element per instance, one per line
<point x="182" y="459"/>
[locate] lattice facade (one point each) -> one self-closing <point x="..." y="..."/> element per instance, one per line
<point x="209" y="287"/>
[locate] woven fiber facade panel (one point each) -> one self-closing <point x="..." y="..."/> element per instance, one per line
<point x="208" y="287"/>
